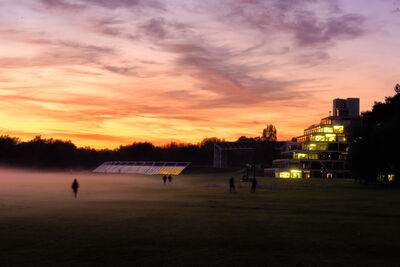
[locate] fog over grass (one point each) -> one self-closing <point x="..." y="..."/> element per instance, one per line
<point x="136" y="220"/>
<point x="56" y="186"/>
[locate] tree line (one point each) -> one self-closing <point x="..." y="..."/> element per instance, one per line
<point x="52" y="153"/>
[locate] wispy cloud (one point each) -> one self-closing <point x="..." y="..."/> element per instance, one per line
<point x="221" y="67"/>
<point x="61" y="4"/>
<point x="79" y="4"/>
<point x="299" y="18"/>
<point x="126" y="3"/>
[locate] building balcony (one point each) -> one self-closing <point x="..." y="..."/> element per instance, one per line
<point x="324" y="128"/>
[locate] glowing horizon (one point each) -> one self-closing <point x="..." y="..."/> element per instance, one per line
<point x="108" y="73"/>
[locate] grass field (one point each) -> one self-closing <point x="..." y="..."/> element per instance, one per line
<point x="133" y="220"/>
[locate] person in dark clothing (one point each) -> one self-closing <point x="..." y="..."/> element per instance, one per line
<point x="232" y="185"/>
<point x="253" y="185"/>
<point x="169" y="178"/>
<point x="164" y="179"/>
<point x="75" y="187"/>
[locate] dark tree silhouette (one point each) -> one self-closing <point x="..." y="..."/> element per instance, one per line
<point x="52" y="153"/>
<point x="376" y="148"/>
<point x="397" y="88"/>
<point x="269" y="133"/>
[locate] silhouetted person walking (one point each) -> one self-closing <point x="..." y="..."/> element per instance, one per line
<point x="232" y="185"/>
<point x="253" y="185"/>
<point x="169" y="178"/>
<point x="75" y="187"/>
<point x="164" y="179"/>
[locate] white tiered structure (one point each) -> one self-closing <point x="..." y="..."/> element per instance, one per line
<point x="142" y="167"/>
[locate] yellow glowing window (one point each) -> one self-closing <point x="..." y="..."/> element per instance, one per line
<point x="295" y="173"/>
<point x="341" y="138"/>
<point x="330" y="137"/>
<point x="319" y="138"/>
<point x="284" y="175"/>
<point x="322" y="146"/>
<point x="300" y="156"/>
<point x="328" y="129"/>
<point x="338" y="128"/>
<point x="391" y="177"/>
<point x="313" y="156"/>
<point x="312" y="147"/>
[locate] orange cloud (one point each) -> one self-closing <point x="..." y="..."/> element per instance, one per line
<point x="105" y="73"/>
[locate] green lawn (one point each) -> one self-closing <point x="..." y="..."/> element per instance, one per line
<point x="131" y="220"/>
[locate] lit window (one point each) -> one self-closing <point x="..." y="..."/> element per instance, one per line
<point x="330" y="137"/>
<point x="341" y="138"/>
<point x="323" y="146"/>
<point x="338" y="128"/>
<point x="328" y="129"/>
<point x="300" y="156"/>
<point x="295" y="173"/>
<point x="283" y="174"/>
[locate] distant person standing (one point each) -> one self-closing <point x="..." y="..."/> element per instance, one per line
<point x="170" y="178"/>
<point x="253" y="185"/>
<point x="164" y="178"/>
<point x="75" y="187"/>
<point x="232" y="185"/>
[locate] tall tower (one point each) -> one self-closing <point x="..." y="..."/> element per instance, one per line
<point x="339" y="107"/>
<point x="353" y="107"/>
<point x="349" y="107"/>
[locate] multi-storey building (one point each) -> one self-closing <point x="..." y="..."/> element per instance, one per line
<point x="322" y="150"/>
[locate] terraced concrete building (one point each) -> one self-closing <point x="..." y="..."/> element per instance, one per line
<point x="322" y="151"/>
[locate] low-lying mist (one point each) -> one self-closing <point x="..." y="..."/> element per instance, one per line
<point x="24" y="191"/>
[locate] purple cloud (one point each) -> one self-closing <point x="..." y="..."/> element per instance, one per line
<point x="234" y="83"/>
<point x="114" y="4"/>
<point x="65" y="53"/>
<point x="311" y="59"/>
<point x="107" y="26"/>
<point x="155" y="28"/>
<point x="61" y="4"/>
<point x="297" y="18"/>
<point x="125" y="3"/>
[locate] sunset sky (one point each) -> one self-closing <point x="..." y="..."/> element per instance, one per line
<point x="103" y="73"/>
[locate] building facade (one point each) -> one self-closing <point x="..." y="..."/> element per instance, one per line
<point x="322" y="150"/>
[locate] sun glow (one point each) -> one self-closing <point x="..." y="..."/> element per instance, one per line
<point x="106" y="74"/>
